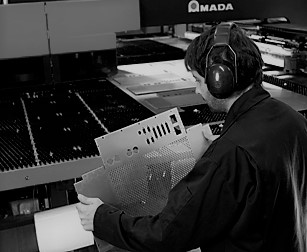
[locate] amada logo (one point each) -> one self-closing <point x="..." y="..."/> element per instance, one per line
<point x="194" y="6"/>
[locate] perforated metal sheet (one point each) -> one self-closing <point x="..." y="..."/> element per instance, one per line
<point x="142" y="162"/>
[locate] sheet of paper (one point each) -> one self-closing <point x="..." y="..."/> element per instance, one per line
<point x="60" y="229"/>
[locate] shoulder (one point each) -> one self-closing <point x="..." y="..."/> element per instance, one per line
<point x="224" y="149"/>
<point x="225" y="160"/>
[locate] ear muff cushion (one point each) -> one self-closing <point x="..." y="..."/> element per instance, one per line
<point x="220" y="80"/>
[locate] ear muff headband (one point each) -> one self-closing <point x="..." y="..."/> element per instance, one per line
<point x="220" y="78"/>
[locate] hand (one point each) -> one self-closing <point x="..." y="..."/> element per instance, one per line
<point x="87" y="209"/>
<point x="207" y="134"/>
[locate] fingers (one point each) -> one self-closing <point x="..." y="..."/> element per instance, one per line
<point x="89" y="201"/>
<point x="207" y="133"/>
<point x="84" y="200"/>
<point x="85" y="220"/>
<point x="87" y="211"/>
<point x="213" y="137"/>
<point x="86" y="226"/>
<point x="80" y="207"/>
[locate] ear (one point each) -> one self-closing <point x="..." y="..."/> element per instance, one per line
<point x="220" y="81"/>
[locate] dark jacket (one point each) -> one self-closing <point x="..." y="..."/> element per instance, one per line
<point x="236" y="198"/>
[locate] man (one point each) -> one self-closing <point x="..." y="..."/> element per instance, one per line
<point x="238" y="197"/>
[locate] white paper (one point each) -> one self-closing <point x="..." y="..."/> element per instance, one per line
<point x="60" y="229"/>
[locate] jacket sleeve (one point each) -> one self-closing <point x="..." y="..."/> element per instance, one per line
<point x="146" y="233"/>
<point x="201" y="208"/>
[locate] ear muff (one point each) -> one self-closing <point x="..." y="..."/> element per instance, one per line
<point x="220" y="78"/>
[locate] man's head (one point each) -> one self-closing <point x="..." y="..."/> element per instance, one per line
<point x="225" y="62"/>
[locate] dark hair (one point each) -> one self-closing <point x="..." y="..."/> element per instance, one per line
<point x="249" y="61"/>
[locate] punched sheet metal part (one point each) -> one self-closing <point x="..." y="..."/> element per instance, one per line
<point x="142" y="162"/>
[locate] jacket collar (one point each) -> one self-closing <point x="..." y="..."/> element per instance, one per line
<point x="243" y="104"/>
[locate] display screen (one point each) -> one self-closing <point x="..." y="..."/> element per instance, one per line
<point x="168" y="12"/>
